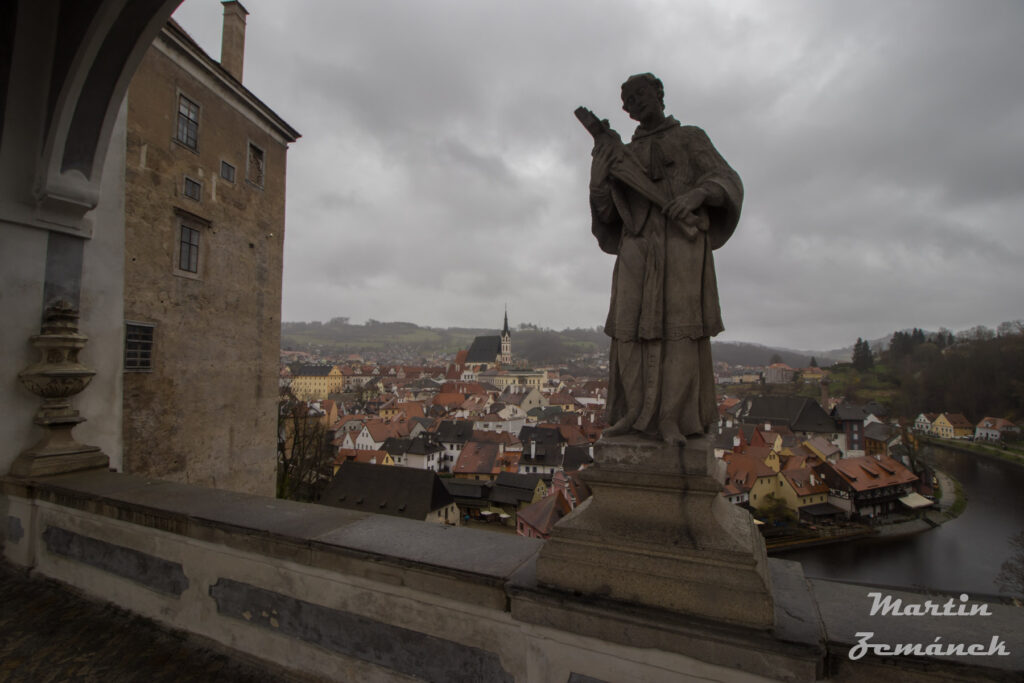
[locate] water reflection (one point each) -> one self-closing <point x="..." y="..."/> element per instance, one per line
<point x="964" y="555"/>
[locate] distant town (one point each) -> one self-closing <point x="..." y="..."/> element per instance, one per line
<point x="481" y="438"/>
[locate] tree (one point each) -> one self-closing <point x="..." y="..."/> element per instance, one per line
<point x="303" y="454"/>
<point x="862" y="358"/>
<point x="776" y="358"/>
<point x="814" y="362"/>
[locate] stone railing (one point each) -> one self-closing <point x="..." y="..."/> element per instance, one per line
<point x="354" y="596"/>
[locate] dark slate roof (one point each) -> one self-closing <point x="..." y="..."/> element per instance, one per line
<point x="455" y="431"/>
<point x="575" y="457"/>
<point x="398" y="491"/>
<point x="849" y="412"/>
<point x="879" y="432"/>
<point x="468" y="489"/>
<point x="484" y="350"/>
<point x="545" y="413"/>
<point x="799" y="414"/>
<point x="542" y="435"/>
<point x="527" y="482"/>
<point x="315" y="370"/>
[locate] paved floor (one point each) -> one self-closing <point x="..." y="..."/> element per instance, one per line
<point x="50" y="633"/>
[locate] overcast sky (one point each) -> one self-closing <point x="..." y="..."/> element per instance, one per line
<point x="441" y="172"/>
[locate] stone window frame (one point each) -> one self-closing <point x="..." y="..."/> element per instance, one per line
<point x="185" y="123"/>
<point x="139" y="340"/>
<point x="257" y="177"/>
<point x="225" y="172"/>
<point x="190" y="182"/>
<point x="200" y="226"/>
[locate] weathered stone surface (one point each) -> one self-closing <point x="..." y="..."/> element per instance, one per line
<point x="657" y="532"/>
<point x="426" y="657"/>
<point x="143" y="568"/>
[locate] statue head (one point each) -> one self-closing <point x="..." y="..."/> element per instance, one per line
<point x="643" y="98"/>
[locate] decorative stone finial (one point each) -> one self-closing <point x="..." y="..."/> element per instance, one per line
<point x="56" y="377"/>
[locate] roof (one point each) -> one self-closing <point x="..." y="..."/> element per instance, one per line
<point x="876" y="431"/>
<point x="455" y="431"/>
<point x="743" y="470"/>
<point x="314" y="371"/>
<point x="797" y="413"/>
<point x="545" y="513"/>
<point x="526" y="482"/>
<point x="484" y="349"/>
<point x="398" y="491"/>
<point x="958" y="420"/>
<point x="800" y="480"/>
<point x="869" y="472"/>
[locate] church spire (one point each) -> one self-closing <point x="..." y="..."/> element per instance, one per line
<point x="506" y="342"/>
<point x="505" y="331"/>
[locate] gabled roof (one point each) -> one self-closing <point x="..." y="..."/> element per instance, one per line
<point x="545" y="513"/>
<point x="314" y="371"/>
<point x="797" y="413"/>
<point x="958" y="420"/>
<point x="800" y="480"/>
<point x="455" y="431"/>
<point x="484" y="349"/>
<point x="398" y="491"/>
<point x="876" y="431"/>
<point x="868" y="472"/>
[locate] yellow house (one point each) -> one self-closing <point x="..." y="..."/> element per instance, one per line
<point x="317" y="381"/>
<point x="951" y="426"/>
<point x="749" y="474"/>
<point x="801" y="487"/>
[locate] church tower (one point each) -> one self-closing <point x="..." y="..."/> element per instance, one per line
<point x="506" y="343"/>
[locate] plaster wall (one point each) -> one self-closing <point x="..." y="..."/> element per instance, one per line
<point x="23" y="255"/>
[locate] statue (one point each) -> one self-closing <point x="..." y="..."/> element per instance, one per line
<point x="661" y="204"/>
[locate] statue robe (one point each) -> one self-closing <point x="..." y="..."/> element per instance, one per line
<point x="664" y="303"/>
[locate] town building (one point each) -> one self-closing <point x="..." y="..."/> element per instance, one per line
<point x="204" y="234"/>
<point x="994" y="429"/>
<point x="397" y="491"/>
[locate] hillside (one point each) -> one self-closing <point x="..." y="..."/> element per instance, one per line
<point x="402" y="340"/>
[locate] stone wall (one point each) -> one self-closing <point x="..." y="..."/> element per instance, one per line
<point x="206" y="412"/>
<point x="356" y="596"/>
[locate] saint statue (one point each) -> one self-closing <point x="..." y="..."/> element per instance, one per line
<point x="661" y="203"/>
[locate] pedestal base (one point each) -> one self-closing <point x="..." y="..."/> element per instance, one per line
<point x="657" y="532"/>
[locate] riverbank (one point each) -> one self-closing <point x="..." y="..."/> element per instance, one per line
<point x="1010" y="455"/>
<point x="949" y="504"/>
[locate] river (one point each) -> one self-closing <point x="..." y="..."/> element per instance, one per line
<point x="962" y="555"/>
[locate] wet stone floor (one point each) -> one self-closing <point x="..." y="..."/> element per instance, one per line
<point x="50" y="633"/>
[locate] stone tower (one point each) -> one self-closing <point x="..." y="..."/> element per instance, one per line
<point x="506" y="342"/>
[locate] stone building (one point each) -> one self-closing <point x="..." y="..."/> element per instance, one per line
<point x="204" y="236"/>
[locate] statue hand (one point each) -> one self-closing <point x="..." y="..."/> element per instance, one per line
<point x="683" y="206"/>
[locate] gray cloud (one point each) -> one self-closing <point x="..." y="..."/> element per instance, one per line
<point x="441" y="173"/>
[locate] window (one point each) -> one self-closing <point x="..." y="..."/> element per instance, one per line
<point x="255" y="167"/>
<point x="188" y="122"/>
<point x="227" y="171"/>
<point x="138" y="347"/>
<point x="193" y="189"/>
<point x="188" y="258"/>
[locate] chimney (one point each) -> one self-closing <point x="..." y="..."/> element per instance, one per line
<point x="232" y="41"/>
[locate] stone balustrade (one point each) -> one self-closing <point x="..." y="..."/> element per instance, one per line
<point x="356" y="596"/>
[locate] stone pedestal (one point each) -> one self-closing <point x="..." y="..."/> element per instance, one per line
<point x="657" y="532"/>
<point x="56" y="377"/>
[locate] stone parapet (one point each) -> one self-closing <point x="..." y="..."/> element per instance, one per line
<point x="656" y="532"/>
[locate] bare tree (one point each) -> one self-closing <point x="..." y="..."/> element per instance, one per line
<point x="303" y="454"/>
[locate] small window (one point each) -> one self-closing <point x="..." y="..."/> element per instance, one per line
<point x="138" y="347"/>
<point x="193" y="189"/>
<point x="188" y="258"/>
<point x="227" y="171"/>
<point x="255" y="170"/>
<point x="188" y="122"/>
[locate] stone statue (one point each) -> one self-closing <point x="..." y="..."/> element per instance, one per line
<point x="661" y="204"/>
